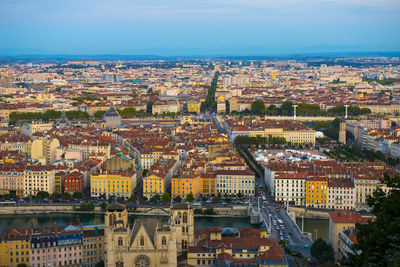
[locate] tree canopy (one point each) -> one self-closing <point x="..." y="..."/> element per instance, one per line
<point x="378" y="242"/>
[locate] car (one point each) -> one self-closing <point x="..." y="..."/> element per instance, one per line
<point x="306" y="246"/>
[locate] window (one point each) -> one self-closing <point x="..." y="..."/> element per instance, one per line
<point x="120" y="243"/>
<point x="142" y="241"/>
<point x="164" y="241"/>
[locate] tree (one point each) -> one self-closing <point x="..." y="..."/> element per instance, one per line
<point x="100" y="264"/>
<point x="143" y="199"/>
<point x="178" y="199"/>
<point x="165" y="198"/>
<point x="378" y="241"/>
<point x="42" y="195"/>
<point x="258" y="107"/>
<point x="190" y="197"/>
<point x="22" y="265"/>
<point x="272" y="110"/>
<point x="66" y="196"/>
<point x="133" y="198"/>
<point x="287" y="108"/>
<point x="155" y="198"/>
<point x="322" y="251"/>
<point x="77" y="195"/>
<point x="103" y="206"/>
<point x="55" y="195"/>
<point x="99" y="114"/>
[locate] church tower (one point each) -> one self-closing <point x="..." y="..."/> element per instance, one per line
<point x="342" y="132"/>
<point x="116" y="216"/>
<point x="182" y="219"/>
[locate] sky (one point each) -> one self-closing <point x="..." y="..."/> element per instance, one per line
<point x="197" y="27"/>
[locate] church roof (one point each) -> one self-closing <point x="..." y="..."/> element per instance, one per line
<point x="181" y="206"/>
<point x="149" y="224"/>
<point x="112" y="112"/>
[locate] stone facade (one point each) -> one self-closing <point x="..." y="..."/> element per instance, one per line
<point x="150" y="241"/>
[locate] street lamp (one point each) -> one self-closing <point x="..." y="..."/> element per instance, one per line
<point x="295" y="106"/>
<point x="316" y="234"/>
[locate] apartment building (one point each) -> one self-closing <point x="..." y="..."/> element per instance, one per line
<point x="12" y="179"/>
<point x="39" y="178"/>
<point x="316" y="192"/>
<point x="291" y="188"/>
<point x="340" y="221"/>
<point x="341" y="194"/>
<point x="233" y="182"/>
<point x="119" y="184"/>
<point x="185" y="184"/>
<point x="93" y="245"/>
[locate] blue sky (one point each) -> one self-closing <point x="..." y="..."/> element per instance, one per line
<point x="197" y="27"/>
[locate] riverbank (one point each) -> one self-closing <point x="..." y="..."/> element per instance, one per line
<point x="222" y="211"/>
<point x="44" y="220"/>
<point x="309" y="213"/>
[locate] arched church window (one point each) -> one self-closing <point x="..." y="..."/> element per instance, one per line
<point x="142" y="241"/>
<point x="164" y="241"/>
<point x="120" y="243"/>
<point x="184" y="217"/>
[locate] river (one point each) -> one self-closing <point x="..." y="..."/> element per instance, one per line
<point x="310" y="225"/>
<point x="20" y="221"/>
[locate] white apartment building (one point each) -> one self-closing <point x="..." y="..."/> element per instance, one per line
<point x="39" y="178"/>
<point x="290" y="188"/>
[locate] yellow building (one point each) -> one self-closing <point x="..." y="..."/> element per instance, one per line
<point x="208" y="183"/>
<point x="193" y="106"/>
<point x="153" y="185"/>
<point x="186" y="184"/>
<point x="14" y="249"/>
<point x="93" y="245"/>
<point x="316" y="192"/>
<point x="113" y="184"/>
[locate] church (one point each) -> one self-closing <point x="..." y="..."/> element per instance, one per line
<point x="149" y="241"/>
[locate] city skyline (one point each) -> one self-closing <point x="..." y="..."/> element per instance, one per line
<point x="207" y="28"/>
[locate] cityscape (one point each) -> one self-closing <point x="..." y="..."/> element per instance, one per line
<point x="186" y="134"/>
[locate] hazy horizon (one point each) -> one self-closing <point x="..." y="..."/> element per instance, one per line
<point x="206" y="28"/>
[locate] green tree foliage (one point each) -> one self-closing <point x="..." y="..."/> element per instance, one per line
<point x="149" y="107"/>
<point x="178" y="199"/>
<point x="50" y="114"/>
<point x="209" y="211"/>
<point x="55" y="195"/>
<point x="258" y="107"/>
<point x="103" y="206"/>
<point x="100" y="264"/>
<point x="155" y="198"/>
<point x="99" y="114"/>
<point x="351" y="111"/>
<point x="76" y="114"/>
<point x="77" y="195"/>
<point x="247" y="140"/>
<point x="272" y="110"/>
<point x="286" y="108"/>
<point x="165" y="198"/>
<point x="86" y="207"/>
<point x="133" y="198"/>
<point x="42" y="194"/>
<point x="309" y="110"/>
<point x="322" y="251"/>
<point x="378" y="242"/>
<point x="66" y="196"/>
<point x="210" y="102"/>
<point x="190" y="197"/>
